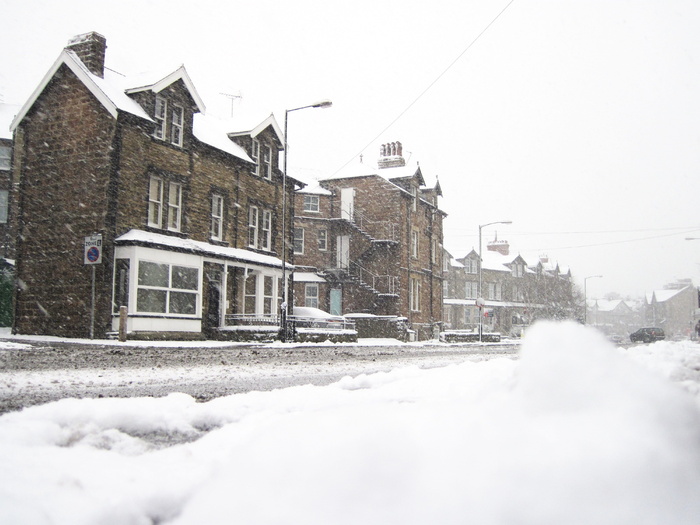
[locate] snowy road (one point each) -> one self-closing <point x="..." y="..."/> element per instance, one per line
<point x="35" y="371"/>
<point x="567" y="428"/>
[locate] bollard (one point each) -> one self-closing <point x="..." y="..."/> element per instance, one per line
<point x="122" y="323"/>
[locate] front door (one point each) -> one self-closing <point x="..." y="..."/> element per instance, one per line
<point x="336" y="301"/>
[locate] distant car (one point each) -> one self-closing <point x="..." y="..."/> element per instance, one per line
<point x="647" y="335"/>
<point x="617" y="339"/>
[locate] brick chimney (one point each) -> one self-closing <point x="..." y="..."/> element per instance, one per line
<point x="90" y="48"/>
<point x="391" y="155"/>
<point x="502" y="247"/>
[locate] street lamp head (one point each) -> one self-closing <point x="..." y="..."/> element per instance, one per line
<point x="322" y="104"/>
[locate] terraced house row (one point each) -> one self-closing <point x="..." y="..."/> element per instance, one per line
<point x="127" y="198"/>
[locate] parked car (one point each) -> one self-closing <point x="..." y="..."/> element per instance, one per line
<point x="647" y="335"/>
<point x="306" y="317"/>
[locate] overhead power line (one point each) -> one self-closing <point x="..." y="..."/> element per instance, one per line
<point x="435" y="81"/>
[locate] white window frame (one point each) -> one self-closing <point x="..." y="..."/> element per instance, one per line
<point x="255" y="155"/>
<point x="253" y="224"/>
<point x="266" y="230"/>
<point x="311" y="203"/>
<point x="177" y="125"/>
<point x="250" y="300"/>
<point x="322" y="240"/>
<point x="161" y="117"/>
<point x="414" y="244"/>
<point x="217" y="217"/>
<point x="311" y="295"/>
<point x="491" y="291"/>
<point x="299" y="241"/>
<point x="168" y="290"/>
<point x="174" y="206"/>
<point x="5" y="157"/>
<point x="414" y="294"/>
<point x="155" y="202"/>
<point x="267" y="161"/>
<point x="268" y="294"/>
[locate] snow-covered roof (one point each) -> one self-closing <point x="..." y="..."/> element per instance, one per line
<point x="7" y="115"/>
<point x="253" y="125"/>
<point x="158" y="82"/>
<point x="308" y="277"/>
<point x="212" y="131"/>
<point x="316" y="189"/>
<point x="141" y="237"/>
<point x="664" y="295"/>
<point x="113" y="91"/>
<point x="497" y="261"/>
<point x="109" y="91"/>
<point x="607" y="305"/>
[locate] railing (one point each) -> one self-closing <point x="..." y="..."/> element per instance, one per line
<point x="251" y="320"/>
<point x="382" y="284"/>
<point x="378" y="230"/>
<point x="297" y="321"/>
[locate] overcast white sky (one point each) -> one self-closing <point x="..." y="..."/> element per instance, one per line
<point x="579" y="120"/>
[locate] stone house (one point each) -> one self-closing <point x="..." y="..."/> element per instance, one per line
<point x="674" y="309"/>
<point x="369" y="241"/>
<point x="514" y="292"/>
<point x="613" y="316"/>
<point x="188" y="207"/>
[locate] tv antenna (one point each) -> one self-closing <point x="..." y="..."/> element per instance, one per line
<point x="233" y="97"/>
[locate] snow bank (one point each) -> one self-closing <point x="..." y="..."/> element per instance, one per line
<point x="575" y="432"/>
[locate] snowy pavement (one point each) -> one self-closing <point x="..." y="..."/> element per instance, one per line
<point x="574" y="431"/>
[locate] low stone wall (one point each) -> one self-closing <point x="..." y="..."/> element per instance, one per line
<point x="469" y="337"/>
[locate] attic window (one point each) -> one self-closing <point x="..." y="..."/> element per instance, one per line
<point x="177" y="125"/>
<point x="160" y="116"/>
<point x="255" y="155"/>
<point x="267" y="161"/>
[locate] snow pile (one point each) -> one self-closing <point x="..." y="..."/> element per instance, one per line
<point x="575" y="432"/>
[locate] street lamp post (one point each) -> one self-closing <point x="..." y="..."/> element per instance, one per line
<point x="480" y="300"/>
<point x="585" y="297"/>
<point x="285" y="303"/>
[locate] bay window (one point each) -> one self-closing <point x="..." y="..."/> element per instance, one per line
<point x="167" y="289"/>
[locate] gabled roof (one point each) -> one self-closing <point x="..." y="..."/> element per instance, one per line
<point x="241" y="126"/>
<point x="160" y="83"/>
<point x="661" y="296"/>
<point x="111" y="96"/>
<point x="404" y="172"/>
<point x="113" y="91"/>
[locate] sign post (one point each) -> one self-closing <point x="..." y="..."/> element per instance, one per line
<point x="93" y="255"/>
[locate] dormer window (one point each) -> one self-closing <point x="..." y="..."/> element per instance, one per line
<point x="267" y="162"/>
<point x="177" y="125"/>
<point x="160" y="117"/>
<point x="255" y="155"/>
<point x="177" y="121"/>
